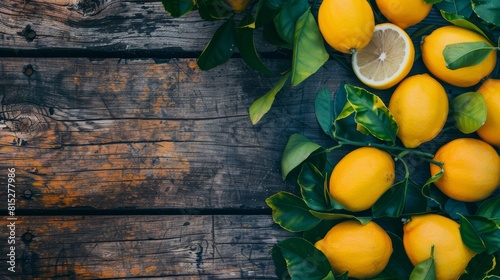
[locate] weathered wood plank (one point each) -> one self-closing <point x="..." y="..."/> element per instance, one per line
<point x="107" y="25"/>
<point x="111" y="26"/>
<point x="116" y="133"/>
<point x="187" y="246"/>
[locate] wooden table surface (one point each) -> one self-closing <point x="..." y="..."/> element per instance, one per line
<point x="131" y="162"/>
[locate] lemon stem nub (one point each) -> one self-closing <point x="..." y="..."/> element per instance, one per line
<point x="352" y="50"/>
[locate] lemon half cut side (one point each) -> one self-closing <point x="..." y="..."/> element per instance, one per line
<point x="387" y="59"/>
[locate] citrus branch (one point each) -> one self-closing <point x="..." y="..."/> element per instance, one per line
<point x="343" y="141"/>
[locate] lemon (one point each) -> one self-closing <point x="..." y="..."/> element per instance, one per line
<point x="404" y="13"/>
<point x="387" y="59"/>
<point x="432" y="55"/>
<point x="346" y="25"/>
<point x="420" y="107"/>
<point x="360" y="178"/>
<point x="471" y="169"/>
<point x="490" y="131"/>
<point x="362" y="250"/>
<point x="451" y="256"/>
<point x="238" y="5"/>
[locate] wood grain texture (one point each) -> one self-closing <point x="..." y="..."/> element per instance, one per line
<point x="141" y="28"/>
<point x="188" y="246"/>
<point x="112" y="134"/>
<point x="103" y="25"/>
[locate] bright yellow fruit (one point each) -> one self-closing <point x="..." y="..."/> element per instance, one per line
<point x="362" y="250"/>
<point x="360" y="178"/>
<point x="238" y="5"/>
<point x="387" y="59"/>
<point x="404" y="13"/>
<point x="432" y="55"/>
<point x="420" y="107"/>
<point x="346" y="25"/>
<point x="471" y="169"/>
<point x="451" y="256"/>
<point x="490" y="131"/>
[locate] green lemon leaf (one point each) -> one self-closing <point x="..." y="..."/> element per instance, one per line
<point x="427" y="192"/>
<point x="415" y="201"/>
<point x="426" y="269"/>
<point x="372" y="114"/>
<point x="264" y="14"/>
<point x="346" y="111"/>
<point x="291" y="212"/>
<point x="309" y="52"/>
<point x="490" y="209"/>
<point x="330" y="276"/>
<point x="480" y="234"/>
<point x="280" y="268"/>
<point x="347" y="128"/>
<point x="271" y="35"/>
<point x="460" y="7"/>
<point x="344" y="125"/>
<point x="220" y="48"/>
<point x="432" y="1"/>
<point x="212" y="9"/>
<point x="343" y="276"/>
<point x="336" y="216"/>
<point x="303" y="260"/>
<point x="245" y="43"/>
<point x="312" y="188"/>
<point x="435" y="177"/>
<point x="178" y="8"/>
<point x="264" y="103"/>
<point x="469" y="111"/>
<point x="495" y="273"/>
<point x="287" y="17"/>
<point x="324" y="110"/>
<point x="399" y="266"/>
<point x="487" y="10"/>
<point x="274" y="5"/>
<point x="339" y="100"/>
<point x="456" y="208"/>
<point x="460" y="20"/>
<point x="297" y="150"/>
<point x="479" y="267"/>
<point x="421" y="31"/>
<point x="465" y="54"/>
<point x="392" y="202"/>
<point x="434" y="196"/>
<point x="319" y="231"/>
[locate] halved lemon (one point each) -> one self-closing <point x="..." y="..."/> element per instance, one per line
<point x="387" y="59"/>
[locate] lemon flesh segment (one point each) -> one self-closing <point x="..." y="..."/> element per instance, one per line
<point x="387" y="59"/>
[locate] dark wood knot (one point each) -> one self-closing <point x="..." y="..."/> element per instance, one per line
<point x="87" y="7"/>
<point x="26" y="121"/>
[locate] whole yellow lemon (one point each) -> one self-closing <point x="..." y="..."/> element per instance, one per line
<point x="238" y="5"/>
<point x="471" y="169"/>
<point x="451" y="256"/>
<point x="432" y="55"/>
<point x="404" y="13"/>
<point x="490" y="130"/>
<point x="420" y="107"/>
<point x="362" y="250"/>
<point x="360" y="178"/>
<point x="346" y="25"/>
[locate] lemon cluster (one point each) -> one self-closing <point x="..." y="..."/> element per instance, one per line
<point x="382" y="57"/>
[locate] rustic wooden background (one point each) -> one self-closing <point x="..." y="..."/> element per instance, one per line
<point x="131" y="162"/>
